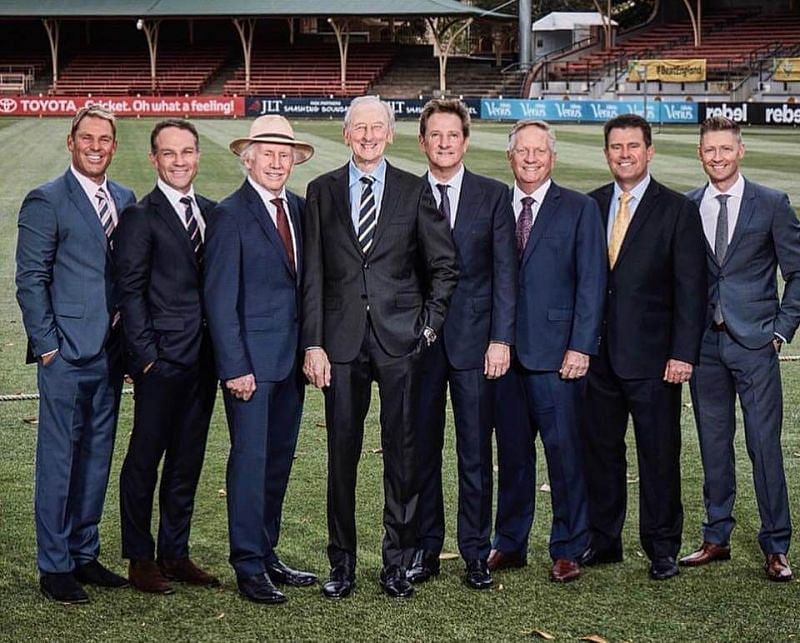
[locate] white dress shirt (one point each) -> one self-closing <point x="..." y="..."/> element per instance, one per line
<point x="266" y="198"/>
<point x="709" y="209"/>
<point x="636" y="193"/>
<point x="453" y="192"/>
<point x="538" y="196"/>
<point x="174" y="197"/>
<point x="91" y="188"/>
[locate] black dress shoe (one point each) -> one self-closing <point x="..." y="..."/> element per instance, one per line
<point x="395" y="584"/>
<point x="594" y="556"/>
<point x="259" y="589"/>
<point x="663" y="568"/>
<point x="424" y="565"/>
<point x="281" y="574"/>
<point x="340" y="584"/>
<point x="62" y="588"/>
<point x="477" y="575"/>
<point x="93" y="573"/>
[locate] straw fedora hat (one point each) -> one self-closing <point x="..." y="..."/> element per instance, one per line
<point x="273" y="129"/>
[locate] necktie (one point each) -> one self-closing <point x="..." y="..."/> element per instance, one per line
<point x="621" y="222"/>
<point x="282" y="223"/>
<point x="192" y="228"/>
<point x="721" y="244"/>
<point x="444" y="204"/>
<point x="367" y="215"/>
<point x="104" y="211"/>
<point x="524" y="224"/>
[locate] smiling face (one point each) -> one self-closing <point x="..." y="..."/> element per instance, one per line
<point x="628" y="155"/>
<point x="444" y="144"/>
<point x="368" y="134"/>
<point x="176" y="158"/>
<point x="269" y="164"/>
<point x="92" y="147"/>
<point x="532" y="161"/>
<point x="720" y="153"/>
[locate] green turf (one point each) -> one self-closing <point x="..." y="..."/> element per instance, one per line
<point x="726" y="602"/>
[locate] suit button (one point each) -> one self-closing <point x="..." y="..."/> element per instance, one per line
<point x="365" y="266"/>
<point x="610" y="291"/>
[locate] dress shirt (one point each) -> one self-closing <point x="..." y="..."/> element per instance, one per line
<point x="453" y="192"/>
<point x="636" y="193"/>
<point x="538" y="196"/>
<point x="91" y="188"/>
<point x="174" y="197"/>
<point x="709" y="208"/>
<point x="266" y="198"/>
<point x="356" y="186"/>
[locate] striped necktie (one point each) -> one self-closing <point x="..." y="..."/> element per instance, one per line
<point x="104" y="211"/>
<point x="367" y="215"/>
<point x="192" y="228"/>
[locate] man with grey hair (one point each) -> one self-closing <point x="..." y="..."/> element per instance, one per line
<point x="379" y="270"/>
<point x="253" y="271"/>
<point x="559" y="310"/>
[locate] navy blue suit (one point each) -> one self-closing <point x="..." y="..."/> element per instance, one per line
<point x="253" y="310"/>
<point x="562" y="280"/>
<point x="481" y="311"/>
<point x="66" y="293"/>
<point x="741" y="360"/>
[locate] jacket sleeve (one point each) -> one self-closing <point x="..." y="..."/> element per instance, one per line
<point x="311" y="333"/>
<point x="504" y="269"/>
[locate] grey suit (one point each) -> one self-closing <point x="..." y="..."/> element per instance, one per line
<point x="739" y="359"/>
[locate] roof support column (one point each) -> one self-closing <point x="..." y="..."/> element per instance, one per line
<point x="53" y="27"/>
<point x="246" y="29"/>
<point x="524" y="35"/>
<point x="342" y="31"/>
<point x="151" y="34"/>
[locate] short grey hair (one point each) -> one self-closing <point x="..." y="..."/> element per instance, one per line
<point x="541" y="125"/>
<point x="362" y="100"/>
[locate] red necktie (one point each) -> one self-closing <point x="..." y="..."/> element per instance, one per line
<point x="282" y="223"/>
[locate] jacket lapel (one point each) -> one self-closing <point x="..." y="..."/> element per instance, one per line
<point x="259" y="212"/>
<point x="86" y="208"/>
<point x="544" y="218"/>
<point x="746" y="211"/>
<point x="697" y="197"/>
<point x="340" y="195"/>
<point x="167" y="214"/>
<point x="387" y="208"/>
<point x="643" y="210"/>
<point x="297" y="225"/>
<point x="470" y="204"/>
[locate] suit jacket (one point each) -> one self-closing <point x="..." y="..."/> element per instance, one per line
<point x="657" y="291"/>
<point x="64" y="275"/>
<point x="562" y="281"/>
<point x="159" y="282"/>
<point x="483" y="303"/>
<point x="251" y="293"/>
<point x="767" y="236"/>
<point x="405" y="280"/>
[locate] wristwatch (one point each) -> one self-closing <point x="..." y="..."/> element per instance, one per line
<point x="429" y="334"/>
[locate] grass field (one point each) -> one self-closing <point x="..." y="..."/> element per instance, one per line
<point x="726" y="602"/>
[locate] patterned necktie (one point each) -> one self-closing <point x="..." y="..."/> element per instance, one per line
<point x="621" y="222"/>
<point x="282" y="223"/>
<point x="524" y="224"/>
<point x="367" y="215"/>
<point x="192" y="228"/>
<point x="721" y="245"/>
<point x="104" y="211"/>
<point x="444" y="203"/>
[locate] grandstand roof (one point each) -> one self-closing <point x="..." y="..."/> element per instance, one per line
<point x="236" y="8"/>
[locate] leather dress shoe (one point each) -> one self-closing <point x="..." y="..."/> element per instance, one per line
<point x="93" y="573"/>
<point x="505" y="560"/>
<point x="145" y="576"/>
<point x="184" y="570"/>
<point x="477" y="575"/>
<point x="340" y="584"/>
<point x="424" y="566"/>
<point x="564" y="570"/>
<point x="259" y="589"/>
<point x="594" y="556"/>
<point x="282" y="574"/>
<point x="395" y="584"/>
<point x="62" y="588"/>
<point x="663" y="568"/>
<point x="777" y="568"/>
<point x="707" y="553"/>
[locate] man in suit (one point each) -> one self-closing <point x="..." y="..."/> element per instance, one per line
<point x="473" y="349"/>
<point x="158" y="254"/>
<point x="66" y="294"/>
<point x="562" y="283"/>
<point x="654" y="321"/>
<point x="253" y="272"/>
<point x="750" y="232"/>
<point x="379" y="272"/>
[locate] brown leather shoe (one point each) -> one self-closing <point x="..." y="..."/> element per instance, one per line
<point x="707" y="553"/>
<point x="185" y="571"/>
<point x="777" y="568"/>
<point x="564" y="571"/>
<point x="505" y="560"/>
<point x="145" y="576"/>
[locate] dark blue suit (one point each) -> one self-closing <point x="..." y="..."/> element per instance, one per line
<point x="253" y="310"/>
<point x="742" y="361"/>
<point x="66" y="294"/>
<point x="481" y="311"/>
<point x="562" y="280"/>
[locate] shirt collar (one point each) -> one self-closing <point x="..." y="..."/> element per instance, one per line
<point x="736" y="190"/>
<point x="637" y="192"/>
<point x="538" y="194"/>
<point x="379" y="173"/>
<point x="89" y="186"/>
<point x="454" y="181"/>
<point x="266" y="195"/>
<point x="174" y="195"/>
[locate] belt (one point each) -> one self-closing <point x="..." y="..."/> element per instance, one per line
<point x="719" y="328"/>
